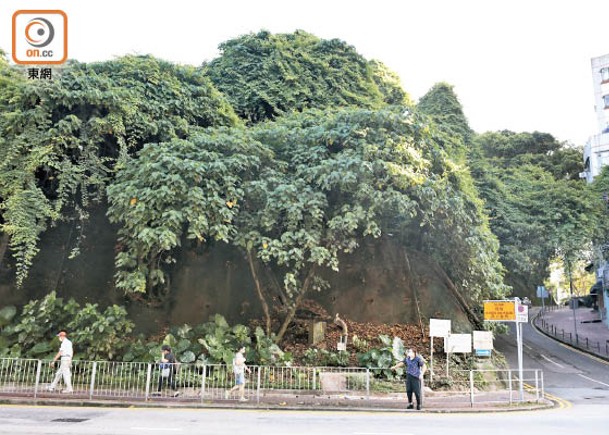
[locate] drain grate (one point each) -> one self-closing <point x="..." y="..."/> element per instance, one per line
<point x="69" y="420"/>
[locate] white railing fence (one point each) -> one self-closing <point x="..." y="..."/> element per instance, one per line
<point x="134" y="381"/>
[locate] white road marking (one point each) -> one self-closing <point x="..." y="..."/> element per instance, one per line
<point x="527" y="346"/>
<point x="381" y="433"/>
<point x="553" y="362"/>
<point x="592" y="380"/>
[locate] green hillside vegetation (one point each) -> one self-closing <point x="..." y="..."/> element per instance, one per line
<point x="293" y="150"/>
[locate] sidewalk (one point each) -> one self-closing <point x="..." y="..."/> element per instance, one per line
<point x="433" y="402"/>
<point x="592" y="335"/>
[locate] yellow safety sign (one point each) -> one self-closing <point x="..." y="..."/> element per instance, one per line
<point x="501" y="311"/>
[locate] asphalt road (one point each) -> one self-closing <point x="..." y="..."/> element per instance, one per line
<point x="585" y="419"/>
<point x="569" y="374"/>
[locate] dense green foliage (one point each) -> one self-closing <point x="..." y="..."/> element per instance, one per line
<point x="538" y="209"/>
<point x="265" y="75"/>
<point x="329" y="179"/>
<point x="443" y="106"/>
<point x="331" y="153"/>
<point x="184" y="188"/>
<point x="106" y="335"/>
<point x="61" y="140"/>
<point x="96" y="334"/>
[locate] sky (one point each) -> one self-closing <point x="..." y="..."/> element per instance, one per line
<point x="521" y="65"/>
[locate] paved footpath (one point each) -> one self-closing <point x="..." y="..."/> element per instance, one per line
<point x="592" y="335"/>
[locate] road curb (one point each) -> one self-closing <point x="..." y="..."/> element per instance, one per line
<point x="548" y="404"/>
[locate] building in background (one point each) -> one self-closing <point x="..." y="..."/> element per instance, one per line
<point x="596" y="151"/>
<point x="596" y="155"/>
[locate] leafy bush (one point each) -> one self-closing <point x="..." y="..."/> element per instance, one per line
<point x="96" y="335"/>
<point x="213" y="342"/>
<point x="324" y="358"/>
<point x="380" y="360"/>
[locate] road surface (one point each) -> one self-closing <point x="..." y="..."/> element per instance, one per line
<point x="570" y="374"/>
<point x="583" y="419"/>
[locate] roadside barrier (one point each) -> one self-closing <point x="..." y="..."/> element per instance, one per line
<point x="213" y="383"/>
<point x="574" y="340"/>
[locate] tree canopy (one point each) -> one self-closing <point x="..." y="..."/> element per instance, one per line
<point x="61" y="140"/>
<point x="267" y="75"/>
<point x="329" y="180"/>
<point x="538" y="209"/>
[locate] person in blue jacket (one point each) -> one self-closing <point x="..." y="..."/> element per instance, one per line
<point x="415" y="369"/>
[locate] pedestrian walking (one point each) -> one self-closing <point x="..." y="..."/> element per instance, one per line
<point x="415" y="369"/>
<point x="168" y="371"/>
<point x="239" y="369"/>
<point x="65" y="354"/>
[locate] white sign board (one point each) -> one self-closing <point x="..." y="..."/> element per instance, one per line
<point x="439" y="328"/>
<point x="458" y="343"/>
<point x="483" y="340"/>
<point x="522" y="313"/>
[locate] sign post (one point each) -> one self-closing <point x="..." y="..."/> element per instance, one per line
<point x="543" y="294"/>
<point x="510" y="311"/>
<point x="437" y="328"/>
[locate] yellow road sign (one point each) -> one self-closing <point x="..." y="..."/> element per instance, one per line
<point x="501" y="311"/>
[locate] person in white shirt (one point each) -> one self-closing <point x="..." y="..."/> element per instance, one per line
<point x="239" y="369"/>
<point x="65" y="354"/>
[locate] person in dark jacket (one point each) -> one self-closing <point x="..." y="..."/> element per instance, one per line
<point x="415" y="369"/>
<point x="168" y="370"/>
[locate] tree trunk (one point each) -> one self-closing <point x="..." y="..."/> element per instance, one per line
<point x="415" y="292"/>
<point x="292" y="311"/>
<point x="263" y="302"/>
<point x="458" y="296"/>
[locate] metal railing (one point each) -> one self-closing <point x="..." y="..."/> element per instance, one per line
<point x="500" y="386"/>
<point x="575" y="340"/>
<point x="136" y="381"/>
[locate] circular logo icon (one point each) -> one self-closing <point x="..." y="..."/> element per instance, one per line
<point x="39" y="32"/>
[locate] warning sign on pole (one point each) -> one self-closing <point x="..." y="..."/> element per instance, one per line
<point x="500" y="311"/>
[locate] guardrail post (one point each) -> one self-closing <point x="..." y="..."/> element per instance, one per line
<point x="93" y="373"/>
<point x="367" y="384"/>
<point x="537" y="386"/>
<point x="510" y="384"/>
<point x="258" y="381"/>
<point x="37" y="382"/>
<point x="471" y="388"/>
<point x="148" y="376"/>
<point x="203" y="381"/>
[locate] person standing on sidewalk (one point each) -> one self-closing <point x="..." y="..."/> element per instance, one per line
<point x="168" y="371"/>
<point x="239" y="369"/>
<point x="65" y="354"/>
<point x="415" y="369"/>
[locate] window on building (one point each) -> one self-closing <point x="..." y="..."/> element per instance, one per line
<point x="606" y="101"/>
<point x="603" y="159"/>
<point x="605" y="74"/>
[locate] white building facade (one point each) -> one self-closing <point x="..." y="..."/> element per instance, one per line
<point x="596" y="152"/>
